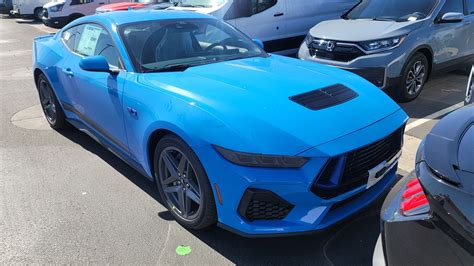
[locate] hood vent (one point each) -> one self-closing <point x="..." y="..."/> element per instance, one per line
<point x="325" y="97"/>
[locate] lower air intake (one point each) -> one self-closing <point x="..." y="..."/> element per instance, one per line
<point x="257" y="204"/>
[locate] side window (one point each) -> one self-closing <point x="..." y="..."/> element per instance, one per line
<point x="262" y="5"/>
<point x="80" y="2"/>
<point x="247" y="8"/>
<point x="71" y="37"/>
<point x="452" y="6"/>
<point x="470" y="7"/>
<point x="95" y="40"/>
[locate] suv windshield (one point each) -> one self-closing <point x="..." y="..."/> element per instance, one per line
<point x="397" y="10"/>
<point x="198" y="3"/>
<point x="174" y="45"/>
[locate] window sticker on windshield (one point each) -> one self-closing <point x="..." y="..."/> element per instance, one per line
<point x="88" y="41"/>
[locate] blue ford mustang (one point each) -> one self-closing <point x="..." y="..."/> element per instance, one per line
<point x="258" y="143"/>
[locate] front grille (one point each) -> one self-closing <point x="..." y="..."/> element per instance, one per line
<point x="355" y="166"/>
<point x="257" y="204"/>
<point x="325" y="97"/>
<point x="340" y="53"/>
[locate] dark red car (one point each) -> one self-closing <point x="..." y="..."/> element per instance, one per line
<point x="160" y="4"/>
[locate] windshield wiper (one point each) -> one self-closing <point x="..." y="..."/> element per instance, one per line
<point x="169" y="68"/>
<point x="384" y="19"/>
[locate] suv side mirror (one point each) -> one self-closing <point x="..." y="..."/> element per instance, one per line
<point x="451" y="17"/>
<point x="96" y="63"/>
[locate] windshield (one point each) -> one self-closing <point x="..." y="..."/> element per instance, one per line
<point x="198" y="3"/>
<point x="397" y="10"/>
<point x="173" y="45"/>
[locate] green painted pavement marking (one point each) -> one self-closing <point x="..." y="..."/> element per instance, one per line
<point x="183" y="250"/>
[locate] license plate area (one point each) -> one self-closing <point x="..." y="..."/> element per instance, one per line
<point x="378" y="172"/>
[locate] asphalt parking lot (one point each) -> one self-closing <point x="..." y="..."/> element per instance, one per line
<point x="64" y="198"/>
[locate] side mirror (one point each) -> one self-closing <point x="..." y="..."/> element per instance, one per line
<point x="258" y="42"/>
<point x="451" y="17"/>
<point x="96" y="63"/>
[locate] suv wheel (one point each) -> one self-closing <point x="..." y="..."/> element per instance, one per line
<point x="183" y="184"/>
<point x="38" y="14"/>
<point x="414" y="78"/>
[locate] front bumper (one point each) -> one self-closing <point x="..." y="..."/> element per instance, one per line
<point x="54" y="22"/>
<point x="308" y="212"/>
<point x="426" y="239"/>
<point x="384" y="70"/>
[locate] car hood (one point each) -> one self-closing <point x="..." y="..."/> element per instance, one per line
<point x="119" y="6"/>
<point x="251" y="97"/>
<point x="361" y="29"/>
<point x="53" y="3"/>
<point x="449" y="147"/>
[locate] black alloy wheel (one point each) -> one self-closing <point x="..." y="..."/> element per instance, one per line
<point x="183" y="184"/>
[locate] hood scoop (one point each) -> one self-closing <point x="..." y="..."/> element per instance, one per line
<point x="325" y="97"/>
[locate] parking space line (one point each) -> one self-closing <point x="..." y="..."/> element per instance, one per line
<point x="421" y="121"/>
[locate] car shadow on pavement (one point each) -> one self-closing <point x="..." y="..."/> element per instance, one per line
<point x="350" y="242"/>
<point x="131" y="174"/>
<point x="28" y="21"/>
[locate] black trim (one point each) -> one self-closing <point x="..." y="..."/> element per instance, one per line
<point x="284" y="44"/>
<point x="259" y="204"/>
<point x="325" y="97"/>
<point x="454" y="64"/>
<point x="94" y="125"/>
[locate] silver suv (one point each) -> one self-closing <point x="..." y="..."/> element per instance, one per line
<point x="396" y="44"/>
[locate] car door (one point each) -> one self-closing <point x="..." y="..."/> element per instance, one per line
<point x="97" y="96"/>
<point x="262" y="19"/>
<point x="302" y="15"/>
<point x="450" y="38"/>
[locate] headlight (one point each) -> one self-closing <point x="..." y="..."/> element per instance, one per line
<point x="261" y="160"/>
<point x="382" y="45"/>
<point x="309" y="39"/>
<point x="56" y="8"/>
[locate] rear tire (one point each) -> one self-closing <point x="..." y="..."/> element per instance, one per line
<point x="188" y="194"/>
<point x="38" y="14"/>
<point x="49" y="103"/>
<point x="415" y="75"/>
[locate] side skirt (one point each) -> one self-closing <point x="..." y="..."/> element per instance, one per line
<point x="103" y="139"/>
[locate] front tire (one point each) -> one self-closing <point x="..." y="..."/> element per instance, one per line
<point x="414" y="77"/>
<point x="183" y="184"/>
<point x="49" y="103"/>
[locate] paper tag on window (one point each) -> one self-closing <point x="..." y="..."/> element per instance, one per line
<point x="88" y="42"/>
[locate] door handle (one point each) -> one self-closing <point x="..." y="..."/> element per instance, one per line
<point x="278" y="14"/>
<point x="68" y="72"/>
<point x="132" y="111"/>
<point x="101" y="3"/>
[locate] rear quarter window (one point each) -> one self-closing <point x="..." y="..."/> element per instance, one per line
<point x="71" y="37"/>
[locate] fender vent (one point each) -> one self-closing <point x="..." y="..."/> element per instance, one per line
<point x="325" y="97"/>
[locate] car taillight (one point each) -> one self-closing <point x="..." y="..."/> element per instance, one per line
<point x="414" y="201"/>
